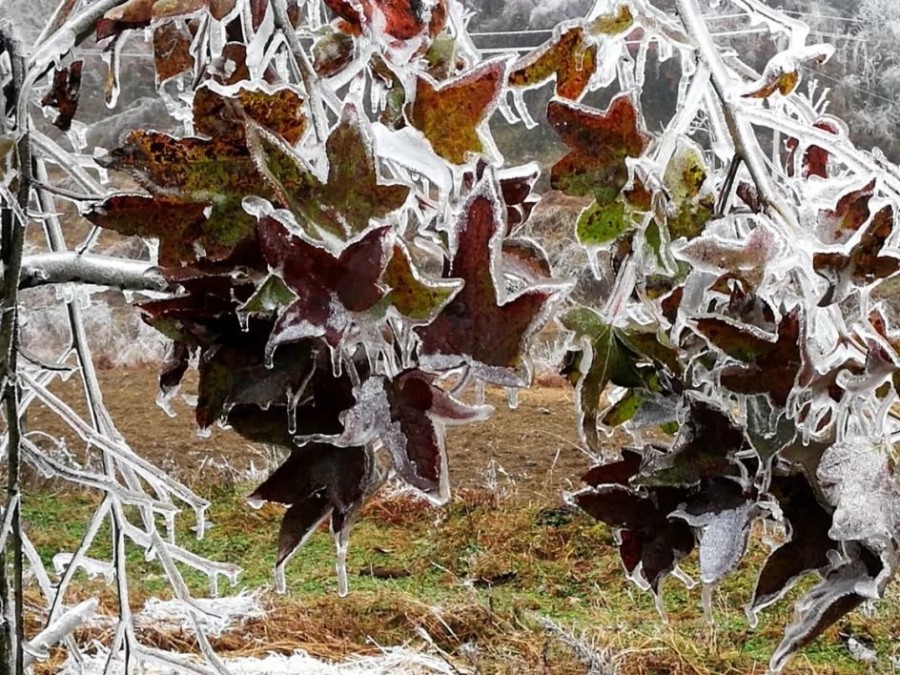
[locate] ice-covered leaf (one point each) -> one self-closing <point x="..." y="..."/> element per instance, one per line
<point x="525" y="259"/>
<point x="197" y="184"/>
<point x="807" y="545"/>
<point x="845" y="587"/>
<point x="450" y="113"/>
<point x="858" y="476"/>
<point x="332" y="53"/>
<point x="770" y="365"/>
<point x="318" y="480"/>
<point x="408" y="414"/>
<point x="414" y="296"/>
<point x="482" y="325"/>
<point x="393" y="19"/>
<point x="172" y="49"/>
<point x="606" y="359"/>
<point x="782" y="72"/>
<point x="769" y="430"/>
<point x="705" y="448"/>
<point x="648" y="538"/>
<point x="722" y="514"/>
<point x="517" y="189"/>
<point x="268" y="300"/>
<point x="598" y="142"/>
<point x="351" y="197"/>
<point x="715" y="254"/>
<point x="329" y="288"/>
<point x="64" y="93"/>
<point x="140" y="13"/>
<point x="600" y="224"/>
<point x="864" y="262"/>
<point x="815" y="158"/>
<point x="619" y="472"/>
<point x="570" y="58"/>
<point x="691" y="203"/>
<point x="180" y="227"/>
<point x="220" y="116"/>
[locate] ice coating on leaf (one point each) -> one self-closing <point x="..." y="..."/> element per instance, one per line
<point x="570" y="57"/>
<point x="406" y="148"/>
<point x="172" y="49"/>
<point x="724" y="523"/>
<point x="414" y="296"/>
<point x="345" y="204"/>
<point x="481" y="324"/>
<point x="807" y="547"/>
<point x="451" y="113"/>
<point x="649" y="543"/>
<point x="605" y="358"/>
<point x="850" y="581"/>
<point x="329" y="288"/>
<point x="858" y="476"/>
<point x="864" y="263"/>
<point x="770" y="367"/>
<point x="707" y="443"/>
<point x="64" y="94"/>
<point x="598" y="142"/>
<point x="318" y="480"/>
<point x="389" y="22"/>
<point x="197" y="184"/>
<point x="782" y="72"/>
<point x="691" y="200"/>
<point x="408" y="414"/>
<point x="715" y="254"/>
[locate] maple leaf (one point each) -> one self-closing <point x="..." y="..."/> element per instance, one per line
<point x="196" y="184"/>
<point x="414" y="296"/>
<point x="408" y="413"/>
<point x="329" y="288"/>
<point x="397" y="19"/>
<point x="705" y="447"/>
<point x="172" y="49"/>
<point x="569" y="57"/>
<point x="318" y="480"/>
<point x="722" y="515"/>
<point x="606" y="358"/>
<point x="840" y="592"/>
<point x="807" y="545"/>
<point x="450" y="113"/>
<point x="619" y="472"/>
<point x="598" y="144"/>
<point x="863" y="264"/>
<point x="770" y="365"/>
<point x="480" y="325"/>
<point x="647" y="537"/>
<point x="352" y="196"/>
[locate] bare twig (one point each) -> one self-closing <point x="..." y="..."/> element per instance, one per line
<point x="87" y="268"/>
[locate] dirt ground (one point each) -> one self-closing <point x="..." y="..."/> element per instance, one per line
<point x="531" y="452"/>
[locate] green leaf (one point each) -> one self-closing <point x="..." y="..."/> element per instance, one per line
<point x="417" y="298"/>
<point x="598" y="224"/>
<point x="609" y="360"/>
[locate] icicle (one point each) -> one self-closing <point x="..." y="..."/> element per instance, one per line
<point x="479" y="392"/>
<point x="340" y="563"/>
<point x="683" y="577"/>
<point x="512" y="397"/>
<point x="706" y="594"/>
<point x="280" y="582"/>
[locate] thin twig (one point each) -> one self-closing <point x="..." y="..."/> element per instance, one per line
<point x="11" y="250"/>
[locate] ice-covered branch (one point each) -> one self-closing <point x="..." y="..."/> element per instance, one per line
<point x="745" y="140"/>
<point x="87" y="268"/>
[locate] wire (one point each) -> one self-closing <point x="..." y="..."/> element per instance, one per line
<point x="840" y="82"/>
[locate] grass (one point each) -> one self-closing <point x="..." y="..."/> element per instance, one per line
<point x="499" y="585"/>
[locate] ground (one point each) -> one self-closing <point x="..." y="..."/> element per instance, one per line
<point x="503" y="579"/>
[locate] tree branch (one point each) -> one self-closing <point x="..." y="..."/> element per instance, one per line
<point x="745" y="141"/>
<point x="87" y="268"/>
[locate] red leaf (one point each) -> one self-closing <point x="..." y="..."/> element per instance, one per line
<point x="570" y="57"/>
<point x="328" y="287"/>
<point x="317" y="480"/>
<point x="64" y="94"/>
<point x="479" y="325"/>
<point x="398" y="19"/>
<point x="450" y="113"/>
<point x="598" y="144"/>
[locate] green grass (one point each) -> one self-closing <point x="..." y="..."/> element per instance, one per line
<point x="406" y="557"/>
